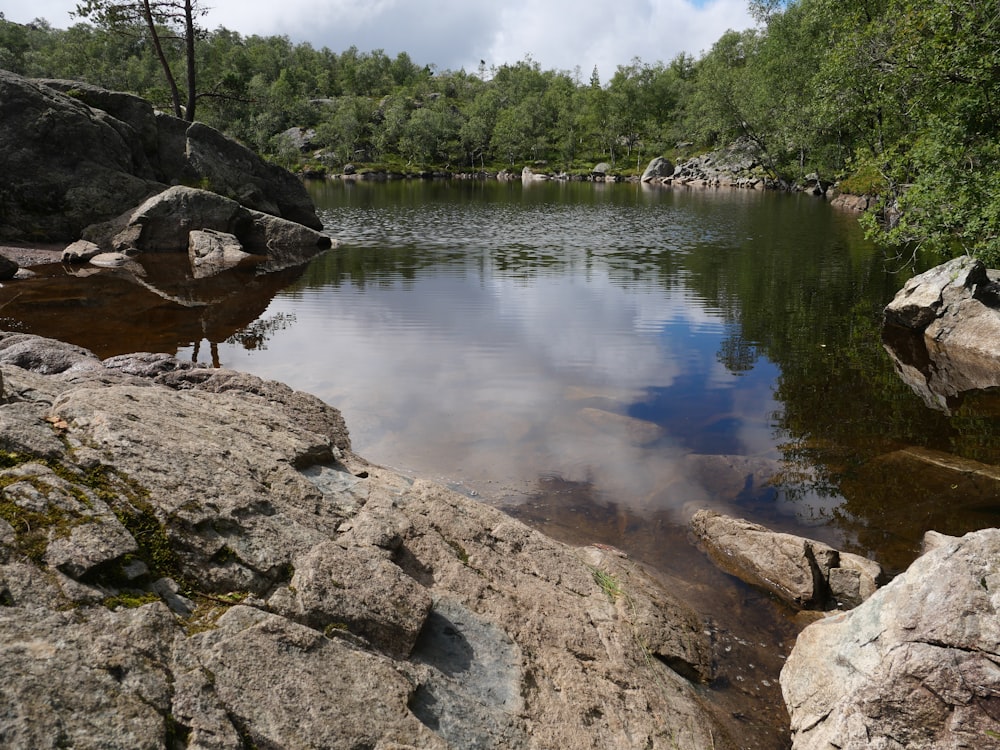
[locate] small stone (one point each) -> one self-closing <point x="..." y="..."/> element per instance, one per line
<point x="80" y="251"/>
<point x="109" y="260"/>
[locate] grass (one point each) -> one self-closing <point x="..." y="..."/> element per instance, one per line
<point x="610" y="585"/>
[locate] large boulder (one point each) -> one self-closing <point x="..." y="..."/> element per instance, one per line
<point x="929" y="296"/>
<point x="804" y="572"/>
<point x="659" y="168"/>
<point x="65" y="164"/>
<point x="73" y="154"/>
<point x="229" y="168"/>
<point x="165" y="222"/>
<point x="133" y="111"/>
<point x="943" y="331"/>
<point x="194" y="556"/>
<point x="914" y="667"/>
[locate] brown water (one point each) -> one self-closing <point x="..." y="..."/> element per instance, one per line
<point x="601" y="361"/>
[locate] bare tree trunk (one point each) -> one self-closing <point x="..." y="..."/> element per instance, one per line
<point x="189" y="54"/>
<point x="175" y="95"/>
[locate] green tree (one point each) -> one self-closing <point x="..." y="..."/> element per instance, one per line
<point x="943" y="59"/>
<point x="173" y="19"/>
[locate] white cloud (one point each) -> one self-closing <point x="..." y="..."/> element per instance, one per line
<point x="453" y="34"/>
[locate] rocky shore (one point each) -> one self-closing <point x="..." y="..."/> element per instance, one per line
<point x="204" y="563"/>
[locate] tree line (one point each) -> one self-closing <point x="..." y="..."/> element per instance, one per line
<point x="898" y="98"/>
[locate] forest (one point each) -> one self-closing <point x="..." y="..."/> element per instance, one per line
<point x="894" y="98"/>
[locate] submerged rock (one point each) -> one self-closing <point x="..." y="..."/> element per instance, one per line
<point x="195" y="556"/>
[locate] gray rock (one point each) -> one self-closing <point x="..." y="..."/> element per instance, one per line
<point x="80" y="251"/>
<point x="109" y="260"/>
<point x="804" y="572"/>
<point x="90" y="545"/>
<point x="299" y="138"/>
<point x="164" y="224"/>
<point x="913" y="667"/>
<point x="933" y="539"/>
<point x="285" y="243"/>
<point x="131" y="110"/>
<point x="100" y="678"/>
<point x="65" y="165"/>
<point x="281" y="684"/>
<point x="942" y="332"/>
<point x="212" y="252"/>
<point x="356" y="589"/>
<point x="234" y="170"/>
<point x="41" y="355"/>
<point x="74" y="155"/>
<point x="924" y="297"/>
<point x="658" y="168"/>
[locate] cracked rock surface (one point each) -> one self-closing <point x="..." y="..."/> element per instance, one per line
<point x="915" y="666"/>
<point x="194" y="558"/>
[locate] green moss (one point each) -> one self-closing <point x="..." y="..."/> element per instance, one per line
<point x="331" y="630"/>
<point x="865" y="181"/>
<point x="205" y="616"/>
<point x="130" y="599"/>
<point x="33" y="528"/>
<point x="129" y="502"/>
<point x="460" y="552"/>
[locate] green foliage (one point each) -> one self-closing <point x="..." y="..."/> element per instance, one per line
<point x="866" y="180"/>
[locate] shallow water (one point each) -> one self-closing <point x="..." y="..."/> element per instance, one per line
<point x="601" y="361"/>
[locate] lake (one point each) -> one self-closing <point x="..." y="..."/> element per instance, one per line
<point x="600" y="360"/>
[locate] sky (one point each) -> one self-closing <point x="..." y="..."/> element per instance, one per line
<point x="453" y="34"/>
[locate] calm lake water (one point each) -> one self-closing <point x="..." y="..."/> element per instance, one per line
<point x="601" y="361"/>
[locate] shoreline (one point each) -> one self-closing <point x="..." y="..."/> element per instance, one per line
<point x="28" y="254"/>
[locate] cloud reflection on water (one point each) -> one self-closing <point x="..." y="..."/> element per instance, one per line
<point x="499" y="382"/>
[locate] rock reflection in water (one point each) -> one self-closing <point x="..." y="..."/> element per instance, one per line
<point x="150" y="305"/>
<point x="941" y="376"/>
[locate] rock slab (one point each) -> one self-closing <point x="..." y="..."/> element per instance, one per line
<point x="194" y="557"/>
